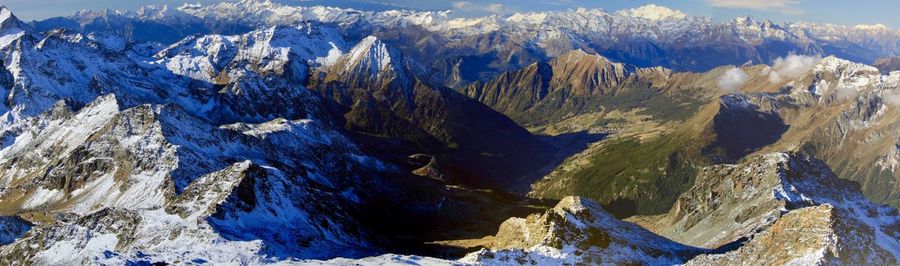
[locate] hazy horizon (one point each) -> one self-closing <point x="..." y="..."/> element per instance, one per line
<point x="828" y="11"/>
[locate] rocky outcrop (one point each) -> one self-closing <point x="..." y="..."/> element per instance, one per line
<point x="578" y="231"/>
<point x="818" y="235"/>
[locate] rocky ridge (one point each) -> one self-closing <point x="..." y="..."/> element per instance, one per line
<point x="775" y="208"/>
<point x="122" y="152"/>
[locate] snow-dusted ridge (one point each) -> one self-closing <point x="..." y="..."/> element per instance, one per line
<point x="212" y="150"/>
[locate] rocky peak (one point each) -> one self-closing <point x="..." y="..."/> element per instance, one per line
<point x="374" y="63"/>
<point x="587" y="73"/>
<point x="370" y="56"/>
<point x="746" y="21"/>
<point x="11" y="28"/>
<point x="837" y="65"/>
<point x="8" y="20"/>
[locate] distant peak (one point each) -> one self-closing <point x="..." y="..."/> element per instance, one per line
<point x="7" y="19"/>
<point x="747" y="20"/>
<point x="189" y="6"/>
<point x="653" y="12"/>
<point x="257" y="2"/>
<point x="5" y="13"/>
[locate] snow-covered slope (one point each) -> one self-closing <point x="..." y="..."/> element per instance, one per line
<point x="211" y="149"/>
<point x="116" y="156"/>
<point x="151" y="171"/>
<point x="258" y="144"/>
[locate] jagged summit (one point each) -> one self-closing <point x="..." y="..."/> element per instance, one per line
<point x="8" y="21"/>
<point x="370" y="55"/>
<point x="10" y="27"/>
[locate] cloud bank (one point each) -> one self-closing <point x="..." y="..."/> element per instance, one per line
<point x="892" y="98"/>
<point x="843" y="92"/>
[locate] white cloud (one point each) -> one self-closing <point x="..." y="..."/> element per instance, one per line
<point x="732" y="80"/>
<point x="892" y="98"/>
<point x="783" y="6"/>
<point x="792" y="66"/>
<point x="843" y="92"/>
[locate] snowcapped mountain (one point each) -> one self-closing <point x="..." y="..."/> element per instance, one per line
<point x="252" y="132"/>
<point x="145" y="170"/>
<point x="123" y="152"/>
<point x="647" y="36"/>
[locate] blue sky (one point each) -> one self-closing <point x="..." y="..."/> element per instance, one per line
<point x="845" y="12"/>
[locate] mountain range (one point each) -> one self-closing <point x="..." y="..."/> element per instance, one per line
<point x="252" y="132"/>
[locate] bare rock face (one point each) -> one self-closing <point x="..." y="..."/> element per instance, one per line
<point x="578" y="231"/>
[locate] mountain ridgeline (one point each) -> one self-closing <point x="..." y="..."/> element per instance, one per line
<point x="463" y="50"/>
<point x="253" y="132"/>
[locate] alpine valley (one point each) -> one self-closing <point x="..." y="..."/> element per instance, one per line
<point x="254" y="132"/>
